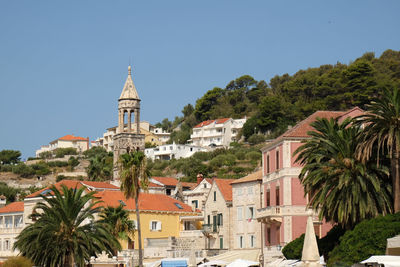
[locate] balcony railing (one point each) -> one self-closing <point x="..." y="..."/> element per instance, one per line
<point x="210" y="228"/>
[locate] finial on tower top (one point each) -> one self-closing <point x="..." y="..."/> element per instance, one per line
<point x="129" y="70"/>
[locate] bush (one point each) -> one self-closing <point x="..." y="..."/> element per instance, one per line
<point x="96" y="150"/>
<point x="61" y="177"/>
<point x="293" y="250"/>
<point x="256" y="139"/>
<point x="203" y="156"/>
<point x="17" y="262"/>
<point x="238" y="169"/>
<point x="61" y="152"/>
<point x="253" y="155"/>
<point x="57" y="163"/>
<point x="46" y="155"/>
<point x="73" y="162"/>
<point x="366" y="239"/>
<point x="23" y="170"/>
<point x="240" y="155"/>
<point x="6" y="168"/>
<point x="41" y="168"/>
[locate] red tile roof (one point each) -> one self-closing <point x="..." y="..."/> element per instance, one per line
<point x="170" y="181"/>
<point x="13" y="207"/>
<point x="77" y="184"/>
<point x="147" y="202"/>
<point x="255" y="176"/>
<point x="71" y="137"/>
<point x="154" y="185"/>
<point x="205" y="123"/>
<point x="225" y="187"/>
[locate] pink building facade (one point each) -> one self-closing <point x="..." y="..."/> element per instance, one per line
<point x="284" y="211"/>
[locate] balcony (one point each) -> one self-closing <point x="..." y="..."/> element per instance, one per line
<point x="191" y="233"/>
<point x="210" y="229"/>
<point x="277" y="212"/>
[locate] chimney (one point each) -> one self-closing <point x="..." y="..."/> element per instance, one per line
<point x="199" y="178"/>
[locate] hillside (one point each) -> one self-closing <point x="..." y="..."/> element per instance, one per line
<point x="286" y="99"/>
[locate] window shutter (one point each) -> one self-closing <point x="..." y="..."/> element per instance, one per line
<point x="159" y="226"/>
<point x="150" y="224"/>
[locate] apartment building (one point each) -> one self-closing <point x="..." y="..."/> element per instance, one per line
<point x="81" y="144"/>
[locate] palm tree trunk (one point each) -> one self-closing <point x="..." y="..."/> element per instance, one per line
<point x="69" y="260"/>
<point x="396" y="178"/>
<point x="139" y="230"/>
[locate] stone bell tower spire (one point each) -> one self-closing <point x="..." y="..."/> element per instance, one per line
<point x="128" y="136"/>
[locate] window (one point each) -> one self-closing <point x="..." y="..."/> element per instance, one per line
<point x="215" y="195"/>
<point x="214" y="223"/>
<point x="7" y="244"/>
<point x="179" y="206"/>
<point x="250" y="190"/>
<point x="269" y="236"/>
<point x="239" y="213"/>
<point x="168" y="192"/>
<point x="1" y="221"/>
<point x="195" y="204"/>
<point x="277" y="159"/>
<point x="239" y="191"/>
<point x="221" y="242"/>
<point x="205" y="185"/>
<point x="131" y="244"/>
<point x="18" y="221"/>
<point x="277" y="196"/>
<point x="252" y="241"/>
<point x="240" y="241"/>
<point x="268" y="196"/>
<point x="208" y="219"/>
<point x="268" y="163"/>
<point x="155" y="225"/>
<point x="250" y="213"/>
<point x="8" y="221"/>
<point x="219" y="219"/>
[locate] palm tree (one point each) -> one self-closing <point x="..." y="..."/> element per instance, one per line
<point x="119" y="223"/>
<point x="382" y="131"/>
<point x="100" y="167"/>
<point x="64" y="232"/>
<point x="134" y="177"/>
<point x="342" y="188"/>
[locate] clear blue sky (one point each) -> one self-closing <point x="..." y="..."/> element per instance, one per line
<point x="63" y="63"/>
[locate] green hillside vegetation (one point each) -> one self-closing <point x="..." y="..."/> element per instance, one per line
<point x="235" y="162"/>
<point x="286" y="99"/>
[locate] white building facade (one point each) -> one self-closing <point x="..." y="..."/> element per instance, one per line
<point x="216" y="133"/>
<point x="172" y="151"/>
<point x="81" y="144"/>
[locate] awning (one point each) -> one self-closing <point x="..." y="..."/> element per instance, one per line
<point x="214" y="262"/>
<point x="388" y="261"/>
<point x="191" y="218"/>
<point x="244" y="254"/>
<point x="243" y="263"/>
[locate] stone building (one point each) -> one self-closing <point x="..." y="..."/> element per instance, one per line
<point x="128" y="136"/>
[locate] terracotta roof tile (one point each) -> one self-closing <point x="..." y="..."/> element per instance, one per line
<point x="71" y="137"/>
<point x="13" y="207"/>
<point x="255" y="176"/>
<point x="148" y="202"/>
<point x="225" y="187"/>
<point x="205" y="123"/>
<point x="76" y="184"/>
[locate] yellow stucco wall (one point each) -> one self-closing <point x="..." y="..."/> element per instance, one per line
<point x="170" y="226"/>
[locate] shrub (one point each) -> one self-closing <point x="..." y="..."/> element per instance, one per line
<point x="61" y="177"/>
<point x="23" y="170"/>
<point x="41" y="168"/>
<point x="256" y="139"/>
<point x="61" y="152"/>
<point x="253" y="156"/>
<point x="92" y="152"/>
<point x="293" y="250"/>
<point x="73" y="162"/>
<point x="366" y="239"/>
<point x="18" y="261"/>
<point x="6" y="168"/>
<point x="240" y="155"/>
<point x="57" y="163"/>
<point x="46" y="155"/>
<point x="238" y="169"/>
<point x="203" y="156"/>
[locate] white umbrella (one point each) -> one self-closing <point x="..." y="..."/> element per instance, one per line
<point x="214" y="262"/>
<point x="242" y="263"/>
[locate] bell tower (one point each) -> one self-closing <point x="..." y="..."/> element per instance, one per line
<point x="128" y="136"/>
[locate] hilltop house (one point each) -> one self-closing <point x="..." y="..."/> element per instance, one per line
<point x="216" y="133"/>
<point x="284" y="211"/>
<point x="80" y="143"/>
<point x="172" y="151"/>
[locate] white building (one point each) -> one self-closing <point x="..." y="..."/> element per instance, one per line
<point x="172" y="151"/>
<point x="68" y="141"/>
<point x="245" y="201"/>
<point x="152" y="135"/>
<point x="214" y="133"/>
<point x="196" y="197"/>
